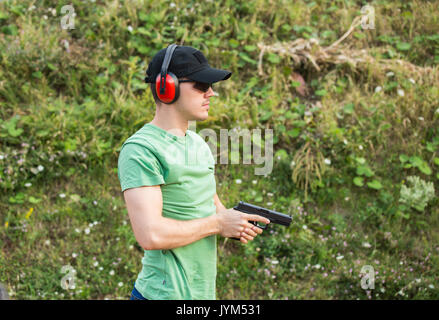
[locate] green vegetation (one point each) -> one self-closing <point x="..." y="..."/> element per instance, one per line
<point x="344" y="147"/>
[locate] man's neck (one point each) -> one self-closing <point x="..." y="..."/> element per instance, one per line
<point x="174" y="126"/>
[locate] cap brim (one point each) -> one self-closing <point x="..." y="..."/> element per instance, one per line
<point x="210" y="75"/>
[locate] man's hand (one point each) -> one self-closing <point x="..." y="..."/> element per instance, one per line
<point x="235" y="224"/>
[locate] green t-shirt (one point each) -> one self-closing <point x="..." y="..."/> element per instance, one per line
<point x="184" y="169"/>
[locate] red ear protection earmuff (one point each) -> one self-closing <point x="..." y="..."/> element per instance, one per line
<point x="166" y="83"/>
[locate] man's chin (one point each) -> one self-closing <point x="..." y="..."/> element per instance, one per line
<point x="201" y="116"/>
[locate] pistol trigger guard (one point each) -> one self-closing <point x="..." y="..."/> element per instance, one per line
<point x="257" y="225"/>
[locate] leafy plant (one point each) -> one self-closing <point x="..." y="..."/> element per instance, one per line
<point x="364" y="171"/>
<point x="418" y="194"/>
<point x="416" y="162"/>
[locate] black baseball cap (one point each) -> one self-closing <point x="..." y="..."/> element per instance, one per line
<point x="186" y="62"/>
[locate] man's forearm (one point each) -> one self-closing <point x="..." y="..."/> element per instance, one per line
<point x="171" y="233"/>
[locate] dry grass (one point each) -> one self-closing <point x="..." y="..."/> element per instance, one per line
<point x="309" y="54"/>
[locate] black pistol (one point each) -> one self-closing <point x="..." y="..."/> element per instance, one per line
<point x="273" y="216"/>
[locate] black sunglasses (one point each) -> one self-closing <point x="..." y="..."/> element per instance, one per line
<point x="202" y="86"/>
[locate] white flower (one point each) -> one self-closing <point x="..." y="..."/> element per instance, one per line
<point x="62" y="195"/>
<point x="74" y="255"/>
<point x="95" y="202"/>
<point x="317" y="266"/>
<point x="254" y="181"/>
<point x="431" y="286"/>
<point x="421" y="118"/>
<point x="437" y="111"/>
<point x="238" y="181"/>
<point x="339" y="257"/>
<point x="400" y="92"/>
<point x="390" y="73"/>
<point x="367" y="245"/>
<point x="304" y="227"/>
<point x="87" y="230"/>
<point x="345" y="141"/>
<point x="346" y="199"/>
<point x="172" y="5"/>
<point x="378" y="89"/>
<point x="40" y="168"/>
<point x="418" y="280"/>
<point x="274" y="262"/>
<point x="360" y="147"/>
<point x="28" y="184"/>
<point x="95" y="264"/>
<point x="130" y="28"/>
<point x="269" y="194"/>
<point x="120" y="284"/>
<point x="47" y="242"/>
<point x="412" y="81"/>
<point x="112" y="273"/>
<point x="327" y="161"/>
<point x="2" y="156"/>
<point x="269" y="204"/>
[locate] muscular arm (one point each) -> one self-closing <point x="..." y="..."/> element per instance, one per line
<point x="155" y="232"/>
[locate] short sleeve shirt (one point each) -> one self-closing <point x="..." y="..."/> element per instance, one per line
<point x="184" y="169"/>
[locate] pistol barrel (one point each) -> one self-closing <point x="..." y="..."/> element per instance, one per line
<point x="273" y="216"/>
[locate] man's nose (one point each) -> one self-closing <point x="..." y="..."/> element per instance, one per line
<point x="210" y="92"/>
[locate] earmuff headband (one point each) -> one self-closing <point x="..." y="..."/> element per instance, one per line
<point x="165" y="65"/>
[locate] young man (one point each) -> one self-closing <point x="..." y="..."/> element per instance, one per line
<point x="167" y="178"/>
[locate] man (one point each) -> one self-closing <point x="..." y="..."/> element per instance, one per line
<point x="167" y="178"/>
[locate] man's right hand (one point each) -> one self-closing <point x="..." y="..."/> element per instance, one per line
<point x="235" y="224"/>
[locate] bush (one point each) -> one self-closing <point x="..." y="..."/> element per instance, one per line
<point x="418" y="195"/>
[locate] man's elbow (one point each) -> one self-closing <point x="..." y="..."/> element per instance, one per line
<point x="147" y="245"/>
<point x="150" y="241"/>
